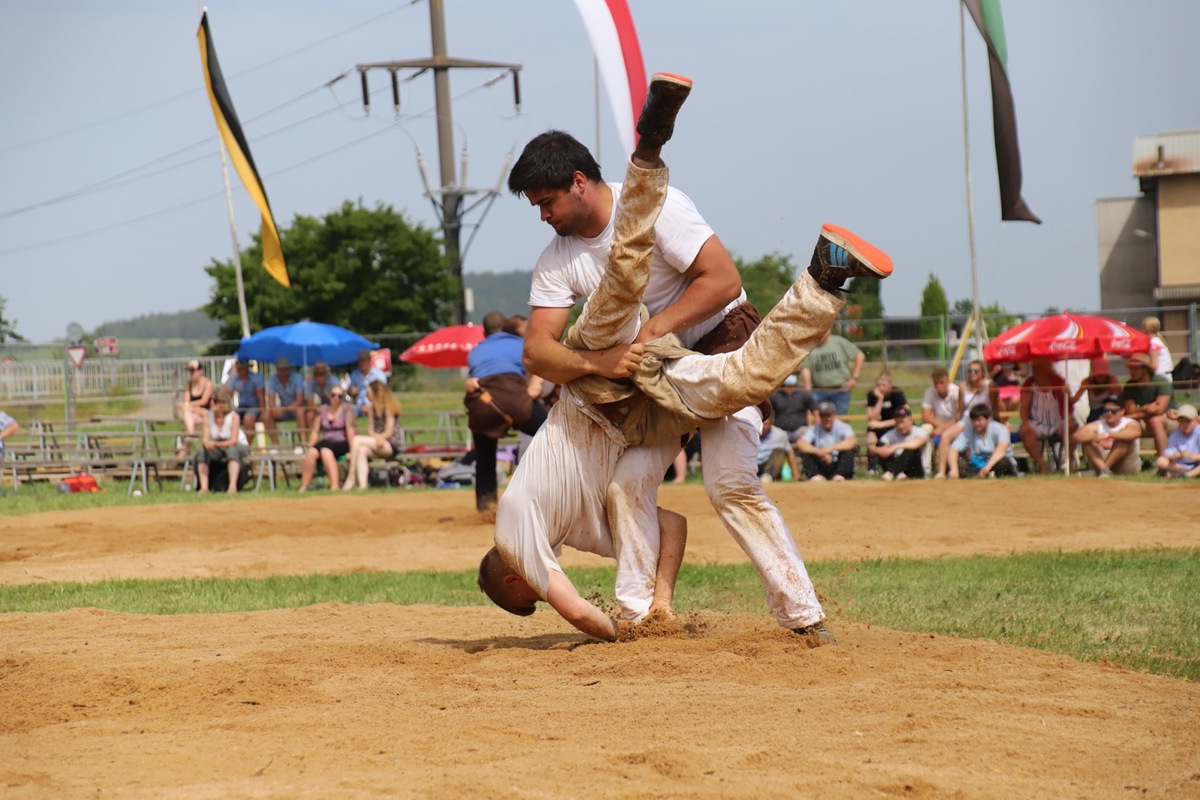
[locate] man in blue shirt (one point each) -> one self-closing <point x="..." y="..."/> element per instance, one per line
<point x="498" y="398"/>
<point x="983" y="447"/>
<point x="285" y="398"/>
<point x="363" y="376"/>
<point x="827" y="449"/>
<point x="250" y="391"/>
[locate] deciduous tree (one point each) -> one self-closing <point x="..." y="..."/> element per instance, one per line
<point x="369" y="270"/>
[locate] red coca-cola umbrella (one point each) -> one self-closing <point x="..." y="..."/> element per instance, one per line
<point x="444" y="348"/>
<point x="1064" y="336"/>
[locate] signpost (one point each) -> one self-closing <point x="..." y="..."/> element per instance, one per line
<point x="107" y="346"/>
<point x="74" y="354"/>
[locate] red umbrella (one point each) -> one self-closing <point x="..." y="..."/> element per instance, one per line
<point x="1063" y="336"/>
<point x="445" y="347"/>
<point x="1066" y="336"/>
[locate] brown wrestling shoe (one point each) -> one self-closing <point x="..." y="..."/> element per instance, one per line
<point x="664" y="98"/>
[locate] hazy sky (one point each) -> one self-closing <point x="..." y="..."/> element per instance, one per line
<point x="803" y="112"/>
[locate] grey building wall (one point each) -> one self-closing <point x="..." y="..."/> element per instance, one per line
<point x="1128" y="255"/>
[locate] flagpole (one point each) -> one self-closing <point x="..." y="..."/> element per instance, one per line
<point x="979" y="330"/>
<point x="237" y="253"/>
<point x="596" y="98"/>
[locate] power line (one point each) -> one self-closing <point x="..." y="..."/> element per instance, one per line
<point x="189" y="92"/>
<point x="122" y="178"/>
<point x="187" y="204"/>
<point x="131" y="175"/>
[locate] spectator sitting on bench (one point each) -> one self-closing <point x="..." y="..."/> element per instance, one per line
<point x="976" y="390"/>
<point x="1149" y="399"/>
<point x="984" y="448"/>
<point x="1182" y="456"/>
<point x="1097" y="386"/>
<point x="1111" y="442"/>
<point x="285" y="398"/>
<point x="939" y="411"/>
<point x="1042" y="398"/>
<point x="384" y="437"/>
<point x="316" y="391"/>
<point x="251" y="393"/>
<point x="329" y="440"/>
<point x="827" y="449"/>
<point x="357" y="384"/>
<point x="222" y="441"/>
<point x="774" y="452"/>
<point x="899" y="450"/>
<point x="8" y="426"/>
<point x="197" y="399"/>
<point x="882" y="402"/>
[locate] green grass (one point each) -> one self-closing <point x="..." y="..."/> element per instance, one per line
<point x="1136" y="608"/>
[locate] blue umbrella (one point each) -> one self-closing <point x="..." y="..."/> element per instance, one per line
<point x="305" y="343"/>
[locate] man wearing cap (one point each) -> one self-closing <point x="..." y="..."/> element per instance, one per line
<point x="827" y="449"/>
<point x="285" y="398"/>
<point x="1182" y="456"/>
<point x="899" y="449"/>
<point x="793" y="408"/>
<point x="1149" y="399"/>
<point x="251" y="392"/>
<point x="1111" y="442"/>
<point x="361" y="377"/>
<point x="983" y="447"/>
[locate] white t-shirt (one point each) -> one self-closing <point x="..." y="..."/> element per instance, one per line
<point x="1107" y="430"/>
<point x="1158" y="349"/>
<point x="945" y="408"/>
<point x="571" y="267"/>
<point x="893" y="437"/>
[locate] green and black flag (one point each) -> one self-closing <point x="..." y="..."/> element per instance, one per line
<point x="986" y="14"/>
<point x="239" y="152"/>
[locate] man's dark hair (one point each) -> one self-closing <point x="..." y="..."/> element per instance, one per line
<point x="493" y="322"/>
<point x="981" y="410"/>
<point x="550" y="161"/>
<point x="492" y="570"/>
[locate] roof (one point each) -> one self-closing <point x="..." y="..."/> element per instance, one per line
<point x="1172" y="153"/>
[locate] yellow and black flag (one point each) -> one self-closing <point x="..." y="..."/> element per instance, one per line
<point x="239" y="152"/>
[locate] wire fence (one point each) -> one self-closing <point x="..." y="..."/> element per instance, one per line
<point x="38" y="373"/>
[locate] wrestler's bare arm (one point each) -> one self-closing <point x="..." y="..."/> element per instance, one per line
<point x="564" y="598"/>
<point x="713" y="283"/>
<point x="546" y="356"/>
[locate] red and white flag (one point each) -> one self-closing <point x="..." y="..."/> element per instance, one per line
<point x="619" y="56"/>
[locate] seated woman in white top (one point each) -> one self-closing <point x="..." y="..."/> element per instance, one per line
<point x="223" y="441"/>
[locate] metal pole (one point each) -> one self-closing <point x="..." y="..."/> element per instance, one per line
<point x="237" y="253"/>
<point x="451" y="196"/>
<point x="596" y="99"/>
<point x="962" y="51"/>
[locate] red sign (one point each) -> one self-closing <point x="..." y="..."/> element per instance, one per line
<point x="76" y="352"/>
<point x="107" y="346"/>
<point x="382" y="359"/>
